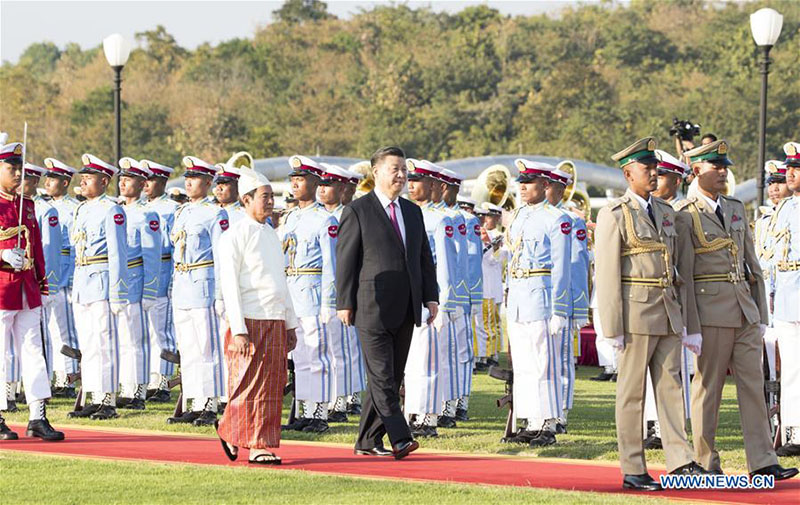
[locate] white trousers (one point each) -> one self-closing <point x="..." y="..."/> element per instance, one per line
<point x="348" y="369"/>
<point x="789" y="345"/>
<point x="200" y="346"/>
<point x="20" y="335"/>
<point x="464" y="353"/>
<point x="134" y="347"/>
<point x="421" y="378"/>
<point x="98" y="338"/>
<point x="536" y="360"/>
<point x="60" y="326"/>
<point x="567" y="366"/>
<point x="162" y="335"/>
<point x="770" y="342"/>
<point x="222" y="330"/>
<point x="313" y="370"/>
<point x="449" y="369"/>
<point x="606" y="354"/>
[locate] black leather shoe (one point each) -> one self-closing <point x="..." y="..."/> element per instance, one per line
<point x="423" y="431"/>
<point x="206" y="418"/>
<point x="297" y="425"/>
<point x="641" y="483"/>
<point x="614" y="377"/>
<point x="777" y="471"/>
<point x="653" y="442"/>
<point x="690" y="469"/>
<point x="11" y="407"/>
<point x="6" y="433"/>
<point x="158" y="396"/>
<point x="106" y="412"/>
<point x="185" y="418"/>
<point x="461" y="415"/>
<point x="86" y="411"/>
<point x="604" y="376"/>
<point x="788" y="450"/>
<point x="123" y="402"/>
<point x="404" y="448"/>
<point x="446" y="422"/>
<point x="221" y="408"/>
<point x="337" y="417"/>
<point x="561" y="428"/>
<point x="64" y="392"/>
<point x="354" y="409"/>
<point x="316" y="426"/>
<point x="375" y="451"/>
<point x="41" y="428"/>
<point x="544" y="439"/>
<point x="521" y="437"/>
<point x="135" y="404"/>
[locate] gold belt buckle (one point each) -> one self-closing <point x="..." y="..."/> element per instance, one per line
<point x="519" y="273"/>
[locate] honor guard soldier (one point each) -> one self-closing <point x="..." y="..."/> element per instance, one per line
<point x="474" y="283"/>
<point x="640" y="313"/>
<point x="144" y="268"/>
<point x="730" y="312"/>
<point x="671" y="173"/>
<point x="309" y="244"/>
<point x="47" y="218"/>
<point x="99" y="234"/>
<point x="21" y="288"/>
<point x="427" y="371"/>
<point x="198" y="306"/>
<point x="158" y="313"/>
<point x="488" y="327"/>
<point x="539" y="303"/>
<point x="59" y="318"/>
<point x="351" y="186"/>
<point x="560" y="178"/>
<point x="785" y="237"/>
<point x="226" y="191"/>
<point x="348" y="367"/>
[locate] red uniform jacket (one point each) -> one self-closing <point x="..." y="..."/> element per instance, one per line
<point x="32" y="278"/>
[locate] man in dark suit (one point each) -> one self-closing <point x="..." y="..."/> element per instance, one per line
<point x="384" y="273"/>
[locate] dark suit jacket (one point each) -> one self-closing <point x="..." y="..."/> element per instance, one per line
<point x="375" y="276"/>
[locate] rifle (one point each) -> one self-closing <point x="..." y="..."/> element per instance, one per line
<point x="506" y="376"/>
<point x="289" y="388"/>
<point x="75" y="354"/>
<point x="174" y="357"/>
<point x="775" y="411"/>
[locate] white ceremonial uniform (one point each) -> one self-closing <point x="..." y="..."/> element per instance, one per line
<point x="488" y="329"/>
<point x="195" y="238"/>
<point x="47" y="216"/>
<point x="538" y="288"/>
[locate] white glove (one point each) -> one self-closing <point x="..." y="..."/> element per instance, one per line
<point x="48" y="301"/>
<point x="557" y="324"/>
<point x="441" y="318"/>
<point x="580" y="323"/>
<point x="763" y="329"/>
<point x="693" y="342"/>
<point x="617" y="343"/>
<point x="14" y="257"/>
<point x="219" y="308"/>
<point x="117" y="308"/>
<point x="148" y="304"/>
<point x="326" y="314"/>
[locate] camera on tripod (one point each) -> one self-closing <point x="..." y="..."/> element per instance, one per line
<point x="684" y="129"/>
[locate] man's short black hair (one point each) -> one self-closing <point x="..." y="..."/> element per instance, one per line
<point x="383" y="152"/>
<point x="709" y="136"/>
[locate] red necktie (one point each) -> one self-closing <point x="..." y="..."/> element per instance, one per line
<point x="395" y="224"/>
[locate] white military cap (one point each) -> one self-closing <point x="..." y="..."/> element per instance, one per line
<point x="94" y="165"/>
<point x="156" y="169"/>
<point x="34" y="170"/>
<point x="417" y="169"/>
<point x="11" y="152"/>
<point x="250" y="180"/>
<point x="479" y="211"/>
<point x="560" y="177"/>
<point x="792" y="150"/>
<point x="195" y="166"/>
<point x="302" y="165"/>
<point x="671" y="164"/>
<point x="227" y="173"/>
<point x="466" y="200"/>
<point x="528" y="169"/>
<point x="334" y="173"/>
<point x="451" y="177"/>
<point x="492" y="208"/>
<point x="133" y="168"/>
<point x="58" y="168"/>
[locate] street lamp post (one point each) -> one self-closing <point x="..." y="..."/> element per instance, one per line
<point x="765" y="24"/>
<point x="117" y="50"/>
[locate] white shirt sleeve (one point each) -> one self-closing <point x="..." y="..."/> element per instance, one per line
<point x="229" y="270"/>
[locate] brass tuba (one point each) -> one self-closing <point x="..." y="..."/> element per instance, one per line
<point x="493" y="185"/>
<point x="366" y="184"/>
<point x="570" y="168"/>
<point x="241" y="159"/>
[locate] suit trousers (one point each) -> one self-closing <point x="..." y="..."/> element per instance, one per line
<point x="385" y="355"/>
<point x="740" y="349"/>
<point x="660" y="355"/>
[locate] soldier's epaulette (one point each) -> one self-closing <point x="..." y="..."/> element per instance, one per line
<point x="683" y="204"/>
<point x="614" y="204"/>
<point x="77" y="208"/>
<point x="731" y="199"/>
<point x="180" y="208"/>
<point x="663" y="203"/>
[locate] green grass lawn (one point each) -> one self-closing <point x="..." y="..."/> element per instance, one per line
<point x="591" y="436"/>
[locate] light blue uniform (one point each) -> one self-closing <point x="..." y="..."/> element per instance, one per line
<point x="159" y="317"/>
<point x="431" y="373"/>
<point x="309" y="245"/>
<point x="144" y="268"/>
<point x="195" y="236"/>
<point x="538" y="277"/>
<point x="60" y="320"/>
<point x="235" y="212"/>
<point x="50" y="230"/>
<point x="99" y="235"/>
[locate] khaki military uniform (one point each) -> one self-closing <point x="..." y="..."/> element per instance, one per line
<point x="637" y="297"/>
<point x="729" y="305"/>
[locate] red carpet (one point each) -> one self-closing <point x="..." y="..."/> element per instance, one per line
<point x="421" y="466"/>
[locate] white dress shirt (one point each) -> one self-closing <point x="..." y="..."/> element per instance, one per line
<point x="385" y="201"/>
<point x="644" y="203"/>
<point x="711" y="203"/>
<point x="252" y="276"/>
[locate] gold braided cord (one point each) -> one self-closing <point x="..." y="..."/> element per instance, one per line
<point x="638" y="246"/>
<point x="707" y="246"/>
<point x="179" y="239"/>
